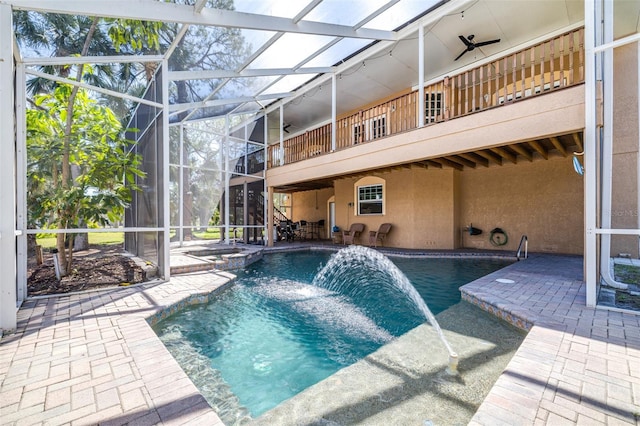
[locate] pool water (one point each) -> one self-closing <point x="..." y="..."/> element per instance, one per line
<point x="273" y="334"/>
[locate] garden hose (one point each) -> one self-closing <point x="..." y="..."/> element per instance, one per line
<point x="498" y="237"/>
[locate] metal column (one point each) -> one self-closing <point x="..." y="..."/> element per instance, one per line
<point x="8" y="292"/>
<point x="166" y="209"/>
<point x="590" y="178"/>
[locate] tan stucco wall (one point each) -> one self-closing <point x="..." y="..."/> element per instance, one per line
<point x="542" y="199"/>
<point x="310" y="205"/>
<point x="418" y="202"/>
<point x="624" y="207"/>
<point x="430" y="207"/>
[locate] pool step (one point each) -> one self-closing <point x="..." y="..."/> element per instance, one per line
<point x="185" y="263"/>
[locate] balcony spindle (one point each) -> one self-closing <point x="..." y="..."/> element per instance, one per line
<point x="542" y="79"/>
<point x="552" y="55"/>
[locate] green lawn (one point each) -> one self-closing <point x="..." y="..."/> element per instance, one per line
<point x="48" y="241"/>
<point x="627" y="274"/>
<point x="99" y="238"/>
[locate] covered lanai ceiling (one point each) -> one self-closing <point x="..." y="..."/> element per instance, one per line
<point x="290" y="49"/>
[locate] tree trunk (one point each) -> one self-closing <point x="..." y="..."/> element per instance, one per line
<point x="65" y="251"/>
<point x="81" y="240"/>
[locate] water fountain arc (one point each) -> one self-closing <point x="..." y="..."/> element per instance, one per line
<point x="336" y="276"/>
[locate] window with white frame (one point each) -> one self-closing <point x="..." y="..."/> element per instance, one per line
<point x="433" y="107"/>
<point x="371" y="129"/>
<point x="370" y="200"/>
<point x="378" y="127"/>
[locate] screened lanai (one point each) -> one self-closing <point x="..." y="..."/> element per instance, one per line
<point x="227" y="79"/>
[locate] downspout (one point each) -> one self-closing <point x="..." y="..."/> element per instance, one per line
<point x="606" y="157"/>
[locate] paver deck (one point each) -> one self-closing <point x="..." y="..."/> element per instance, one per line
<point x="577" y="365"/>
<point x="92" y="358"/>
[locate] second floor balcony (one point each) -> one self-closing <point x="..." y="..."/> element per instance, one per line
<point x="545" y="67"/>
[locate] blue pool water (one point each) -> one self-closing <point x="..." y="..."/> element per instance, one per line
<point x="273" y="333"/>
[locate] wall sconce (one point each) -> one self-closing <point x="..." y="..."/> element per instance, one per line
<point x="350" y="204"/>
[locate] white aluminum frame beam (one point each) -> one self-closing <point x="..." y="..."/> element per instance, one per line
<point x="221" y="102"/>
<point x="150" y="10"/>
<point x="93" y="88"/>
<point x="78" y="60"/>
<point x="214" y="74"/>
<point x="328" y="45"/>
<point x="312" y="5"/>
<point x="408" y="31"/>
<point x="8" y="295"/>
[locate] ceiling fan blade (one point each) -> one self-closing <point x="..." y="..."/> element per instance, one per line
<point x="464" y="40"/>
<point x="484" y="43"/>
<point x="460" y="55"/>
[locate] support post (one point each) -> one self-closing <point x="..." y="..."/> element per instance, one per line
<point x="181" y="169"/>
<point x="421" y="76"/>
<point x="166" y="206"/>
<point x="334" y="95"/>
<point x="8" y="299"/>
<point x="21" y="183"/>
<point x="227" y="178"/>
<point x="270" y="227"/>
<point x="281" y="135"/>
<point x="590" y="177"/>
<point x="266" y="214"/>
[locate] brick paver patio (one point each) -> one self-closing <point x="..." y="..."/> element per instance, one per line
<point x="577" y="365"/>
<point x="92" y="358"/>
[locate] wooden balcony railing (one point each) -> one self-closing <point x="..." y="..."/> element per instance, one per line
<point x="551" y="65"/>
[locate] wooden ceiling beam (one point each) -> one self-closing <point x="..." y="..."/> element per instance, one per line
<point x="472" y="156"/>
<point x="490" y="156"/>
<point x="539" y="148"/>
<point x="461" y="160"/>
<point x="448" y="163"/>
<point x="522" y="151"/>
<point x="556" y="142"/>
<point x="505" y="154"/>
<point x="432" y="163"/>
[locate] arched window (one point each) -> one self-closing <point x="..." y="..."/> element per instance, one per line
<point x="370" y="196"/>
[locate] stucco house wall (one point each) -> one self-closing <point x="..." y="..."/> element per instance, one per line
<point x="429" y="208"/>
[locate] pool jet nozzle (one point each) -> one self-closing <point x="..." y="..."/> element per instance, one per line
<point x="452" y="368"/>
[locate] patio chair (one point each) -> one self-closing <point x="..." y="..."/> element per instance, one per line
<point x="320" y="229"/>
<point x="349" y="237"/>
<point x="301" y="230"/>
<point x="379" y="235"/>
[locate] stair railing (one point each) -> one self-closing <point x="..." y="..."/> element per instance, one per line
<point x="524" y="241"/>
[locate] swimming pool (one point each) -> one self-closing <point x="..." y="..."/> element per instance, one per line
<point x="274" y="334"/>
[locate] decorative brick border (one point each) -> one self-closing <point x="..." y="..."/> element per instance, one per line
<point x="503" y="314"/>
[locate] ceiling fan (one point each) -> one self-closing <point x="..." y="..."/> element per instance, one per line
<point x="471" y="45"/>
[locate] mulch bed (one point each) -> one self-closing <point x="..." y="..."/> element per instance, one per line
<point x="97" y="268"/>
